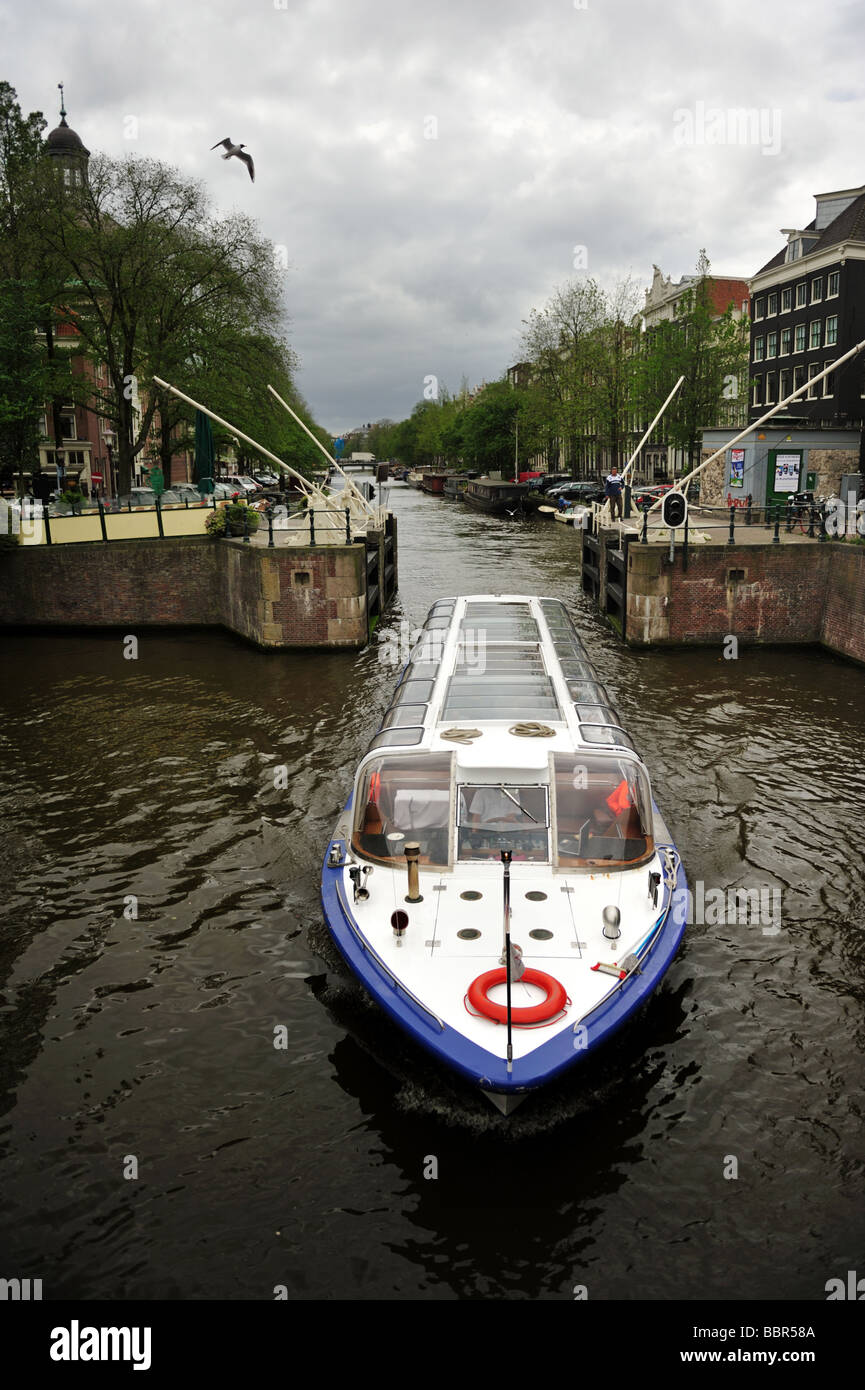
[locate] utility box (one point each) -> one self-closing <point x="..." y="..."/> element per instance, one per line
<point x="852" y="482"/>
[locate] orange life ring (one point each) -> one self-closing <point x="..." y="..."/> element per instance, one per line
<point x="537" y="1013"/>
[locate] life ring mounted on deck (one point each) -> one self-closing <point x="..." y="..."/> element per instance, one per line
<point x="549" y="1008"/>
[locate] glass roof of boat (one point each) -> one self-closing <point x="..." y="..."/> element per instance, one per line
<point x="499" y="671"/>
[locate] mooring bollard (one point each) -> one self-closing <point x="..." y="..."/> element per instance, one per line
<point x="731" y="537"/>
<point x="347" y="526"/>
<point x="776" y="539"/>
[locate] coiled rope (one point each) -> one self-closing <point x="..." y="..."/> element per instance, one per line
<point x="532" y="729"/>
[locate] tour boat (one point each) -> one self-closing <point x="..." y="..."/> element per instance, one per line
<point x="501" y="880"/>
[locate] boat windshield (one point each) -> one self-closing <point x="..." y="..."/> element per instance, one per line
<point x="400" y="800"/>
<point x="493" y="818"/>
<point x="603" y="812"/>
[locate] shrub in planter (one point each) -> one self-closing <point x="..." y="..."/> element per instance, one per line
<point x="230" y="519"/>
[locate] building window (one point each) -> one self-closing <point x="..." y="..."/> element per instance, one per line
<point x="831" y="331"/>
<point x="817" y="290"/>
<point x="772" y="305"/>
<point x="67" y="427"/>
<point x="828" y="382"/>
<point x="816" y="328"/>
<point x="772" y="345"/>
<point x="759" y="308"/>
<point x="758" y="349"/>
<point x="812" y="372"/>
<point x="786" y="341"/>
<point x="784" y="384"/>
<point x="798" y="377"/>
<point x="786" y="301"/>
<point x="800" y="337"/>
<point x="832" y="284"/>
<point x="771" y="382"/>
<point x="801" y="295"/>
<point x="758" y="390"/>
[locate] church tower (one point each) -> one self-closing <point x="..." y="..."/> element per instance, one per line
<point x="66" y="147"/>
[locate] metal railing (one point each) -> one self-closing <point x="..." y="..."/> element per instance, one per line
<point x="38" y="523"/>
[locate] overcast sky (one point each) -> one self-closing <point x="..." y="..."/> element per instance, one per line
<point x="430" y="166"/>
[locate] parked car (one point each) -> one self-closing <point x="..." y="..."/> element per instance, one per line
<point x="644" y="497"/>
<point x="239" y="483"/>
<point x="187" y="491"/>
<point x="577" y="492"/>
<point x="266" y="479"/>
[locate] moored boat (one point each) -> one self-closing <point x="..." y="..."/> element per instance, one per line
<point x="433" y="482"/>
<point x="495" y="495"/>
<point x="501" y="880"/>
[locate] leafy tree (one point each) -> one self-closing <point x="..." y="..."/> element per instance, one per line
<point x="157" y="277"/>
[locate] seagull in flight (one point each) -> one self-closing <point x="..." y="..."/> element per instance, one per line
<point x="237" y="150"/>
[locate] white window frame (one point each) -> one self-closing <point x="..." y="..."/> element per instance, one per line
<point x="786" y="333"/>
<point x="813" y="369"/>
<point x="759" y="349"/>
<point x="828" y="381"/>
<point x="771" y="398"/>
<point x="833" y="341"/>
<point x="818" y="343"/>
<point x="757" y="391"/>
<point x="817" y="290"/>
<point x="801" y="294"/>
<point x="759" y="309"/>
<point x="770" y="312"/>
<point x="771" y="346"/>
<point x="801" y="331"/>
<point x="836" y="276"/>
<point x="786" y="300"/>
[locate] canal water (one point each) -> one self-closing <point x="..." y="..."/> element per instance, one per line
<point x="164" y="820"/>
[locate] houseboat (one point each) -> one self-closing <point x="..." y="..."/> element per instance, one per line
<point x="455" y="486"/>
<point x="433" y="482"/>
<point x="501" y="880"/>
<point x="494" y="495"/>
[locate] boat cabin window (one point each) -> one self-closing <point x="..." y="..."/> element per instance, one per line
<point x="603" y="812"/>
<point x="400" y="800"/>
<point x="493" y="818"/>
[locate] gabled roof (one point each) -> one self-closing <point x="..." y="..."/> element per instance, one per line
<point x="849" y="225"/>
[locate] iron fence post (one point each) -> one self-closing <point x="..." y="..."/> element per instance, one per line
<point x="776" y="539"/>
<point x="730" y="538"/>
<point x="47" y="523"/>
<point x="748" y="511"/>
<point x="270" y="527"/>
<point x="311" y="526"/>
<point x="348" y="526"/>
<point x="159" y="518"/>
<point x="102" y="518"/>
<point x="644" y="538"/>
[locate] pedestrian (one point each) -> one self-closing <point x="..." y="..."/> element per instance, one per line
<point x="613" y="491"/>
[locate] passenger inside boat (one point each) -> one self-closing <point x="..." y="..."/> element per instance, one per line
<point x="400" y="800"/>
<point x="603" y="812"/>
<point x="493" y="818"/>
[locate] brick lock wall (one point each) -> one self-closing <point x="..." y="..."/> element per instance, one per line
<point x="285" y="597"/>
<point x="779" y="598"/>
<point x="843" y="626"/>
